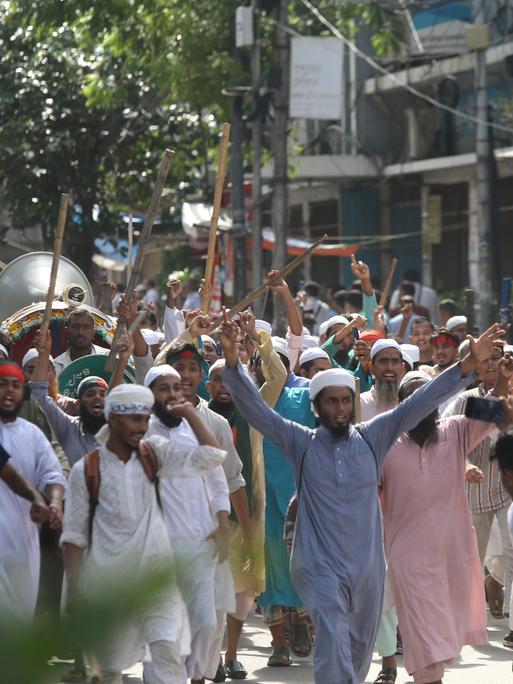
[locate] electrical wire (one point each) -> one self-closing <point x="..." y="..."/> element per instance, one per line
<point x="406" y="86"/>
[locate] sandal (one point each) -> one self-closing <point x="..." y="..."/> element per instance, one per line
<point x="235" y="669"/>
<point x="280" y="657"/>
<point x="494" y="597"/>
<point x="388" y="675"/>
<point x="301" y="641"/>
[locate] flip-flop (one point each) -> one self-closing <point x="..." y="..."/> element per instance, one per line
<point x="301" y="642"/>
<point x="280" y="657"/>
<point x="235" y="669"/>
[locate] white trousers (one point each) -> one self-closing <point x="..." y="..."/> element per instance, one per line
<point x="166" y="666"/>
<point x="483" y="524"/>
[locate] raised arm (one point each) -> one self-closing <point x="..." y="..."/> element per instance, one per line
<point x="292" y="439"/>
<point x="383" y="430"/>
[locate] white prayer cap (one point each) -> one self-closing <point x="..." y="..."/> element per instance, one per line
<point x="310" y="341"/>
<point x="333" y="377"/>
<point x="407" y="359"/>
<point x="4" y="351"/>
<point x="464" y="349"/>
<point x="158" y="371"/>
<point x="129" y="399"/>
<point x="207" y="338"/>
<point x="412" y="350"/>
<point x="305" y="331"/>
<point x="415" y="375"/>
<point x="313" y="354"/>
<point x="280" y="346"/>
<point x="32" y="354"/>
<point x="218" y="365"/>
<point x="387" y="343"/>
<point x="324" y="327"/>
<point x="454" y="321"/>
<point x="152" y="336"/>
<point x="263" y="326"/>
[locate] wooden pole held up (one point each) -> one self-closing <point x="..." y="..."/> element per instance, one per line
<point x="151" y="212"/>
<point x="218" y="194"/>
<point x="59" y="236"/>
<point x="388" y="282"/>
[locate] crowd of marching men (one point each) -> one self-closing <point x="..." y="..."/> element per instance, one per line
<point x="350" y="482"/>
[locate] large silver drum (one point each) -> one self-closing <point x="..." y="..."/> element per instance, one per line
<point x="25" y="281"/>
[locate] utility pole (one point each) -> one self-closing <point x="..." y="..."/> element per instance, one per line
<point x="237" y="201"/>
<point x="486" y="313"/>
<point x="256" y="139"/>
<point x="279" y="145"/>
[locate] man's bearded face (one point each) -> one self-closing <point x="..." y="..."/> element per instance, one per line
<point x="11" y="397"/>
<point x="335" y="406"/>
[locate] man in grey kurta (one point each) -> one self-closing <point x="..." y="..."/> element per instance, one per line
<point x="337" y="563"/>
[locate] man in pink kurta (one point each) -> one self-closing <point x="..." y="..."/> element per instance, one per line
<point x="431" y="546"/>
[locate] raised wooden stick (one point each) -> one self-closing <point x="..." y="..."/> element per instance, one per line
<point x="470" y="312"/>
<point x="357" y="403"/>
<point x="388" y="282"/>
<point x="145" y="234"/>
<point x="218" y="194"/>
<point x="61" y="225"/>
<point x="130" y="246"/>
<point x="248" y="299"/>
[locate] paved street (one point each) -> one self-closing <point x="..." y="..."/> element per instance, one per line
<point x="487" y="665"/>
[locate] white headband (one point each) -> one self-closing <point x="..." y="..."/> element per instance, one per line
<point x="128" y="400"/>
<point x="207" y="338"/>
<point x="158" y="371"/>
<point x="333" y="377"/>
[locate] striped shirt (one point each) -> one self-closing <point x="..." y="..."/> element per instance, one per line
<point x="488" y="495"/>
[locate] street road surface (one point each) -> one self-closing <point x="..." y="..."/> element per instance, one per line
<point x="490" y="664"/>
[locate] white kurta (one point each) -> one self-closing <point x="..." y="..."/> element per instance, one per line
<point x="32" y="456"/>
<point x="129" y="538"/>
<point x="189" y="508"/>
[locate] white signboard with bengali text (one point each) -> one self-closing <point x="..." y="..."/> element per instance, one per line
<point x="316" y="78"/>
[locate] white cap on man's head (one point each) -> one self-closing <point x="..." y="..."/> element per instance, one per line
<point x="310" y="341"/>
<point x="312" y="354"/>
<point x="454" y="321"/>
<point x="387" y="343"/>
<point x="280" y="346"/>
<point x="158" y="371"/>
<point x="333" y="377"/>
<point x="152" y="337"/>
<point x="263" y="326"/>
<point x="216" y="366"/>
<point x="415" y="375"/>
<point x="412" y="350"/>
<point x="32" y="354"/>
<point x="326" y="325"/>
<point x="128" y="399"/>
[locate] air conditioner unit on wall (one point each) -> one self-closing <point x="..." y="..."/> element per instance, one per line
<point x="420" y="132"/>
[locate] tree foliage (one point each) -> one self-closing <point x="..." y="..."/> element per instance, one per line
<point x="92" y="93"/>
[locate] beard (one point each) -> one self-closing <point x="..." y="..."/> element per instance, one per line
<point x="91" y="424"/>
<point x="13" y="413"/>
<point x="427" y="430"/>
<point x="387" y="393"/>
<point x="340" y="432"/>
<point x="223" y="408"/>
<point x="165" y="417"/>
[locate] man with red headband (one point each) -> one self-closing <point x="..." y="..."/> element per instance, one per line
<point x="445" y="351"/>
<point x="34" y="458"/>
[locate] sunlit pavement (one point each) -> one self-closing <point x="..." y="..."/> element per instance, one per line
<point x="490" y="664"/>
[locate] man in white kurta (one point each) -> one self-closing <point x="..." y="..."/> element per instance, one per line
<point x="129" y="535"/>
<point x="193" y="509"/>
<point x="34" y="458"/>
